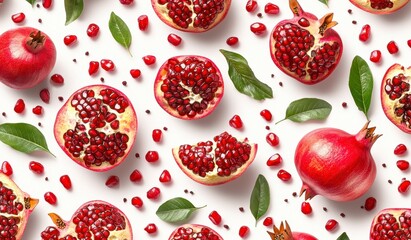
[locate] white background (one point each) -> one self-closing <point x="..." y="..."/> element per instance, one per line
<point x="226" y="199"/>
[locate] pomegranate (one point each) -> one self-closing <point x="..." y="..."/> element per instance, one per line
<point x="304" y="47"/>
<point x="96" y="127"/>
<point x="391" y="223"/>
<point x="215" y="162"/>
<point x="396" y="96"/>
<point x="285" y="233"/>
<point x="93" y="220"/>
<point x="336" y="164"/>
<point x="380" y="6"/>
<point x="194" y="231"/>
<point x="15" y="208"/>
<point x="27" y="55"/>
<point x="189" y="87"/>
<point x="191" y="16"/>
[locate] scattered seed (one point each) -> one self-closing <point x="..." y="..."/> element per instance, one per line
<point x="384" y="165"/>
<point x="354" y="22"/>
<point x="137" y="155"/>
<point x="185" y="191"/>
<point x="148" y="111"/>
<point x="102" y="79"/>
<point x="344" y="104"/>
<point x="241" y="209"/>
<point x="349" y="11"/>
<point x="165" y="128"/>
<point x="267" y="127"/>
<point x="325" y="209"/>
<point x="124" y="200"/>
<point x="281" y="84"/>
<point x="60" y="98"/>
<point x="389" y="181"/>
<point x="342" y="215"/>
<point x="286" y="200"/>
<point x="124" y="83"/>
<point x="46" y="178"/>
<point x="39" y="124"/>
<point x="87" y="53"/>
<point x="260" y="15"/>
<point x="40" y="21"/>
<point x="191" y="192"/>
<point x="272" y="75"/>
<point x="294" y="194"/>
<point x="74" y="60"/>
<point x="38" y="5"/>
<point x="226" y="226"/>
<point x="3" y="113"/>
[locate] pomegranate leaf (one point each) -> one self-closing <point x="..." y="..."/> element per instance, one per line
<point x="30" y="1"/>
<point x="120" y="31"/>
<point x="243" y="77"/>
<point x="361" y="84"/>
<point x="307" y="109"/>
<point x="23" y="137"/>
<point x="324" y="1"/>
<point x="343" y="236"/>
<point x="73" y="8"/>
<point x="260" y="198"/>
<point x="176" y="210"/>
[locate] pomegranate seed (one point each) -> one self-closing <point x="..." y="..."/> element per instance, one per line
<point x="268" y="221"/>
<point x="404" y="186"/>
<point x="392" y="47"/>
<point x="135" y="176"/>
<point x="50" y="198"/>
<point x="409" y="43"/>
<point x="137" y="202"/>
<point x="93" y="67"/>
<point x="232" y="41"/>
<point x="112" y="181"/>
<point x="36" y="167"/>
<point x="38" y="110"/>
<point x="93" y="30"/>
<point x="284" y="175"/>
<point x="66" y="181"/>
<point x="215" y="217"/>
<point x="152" y="156"/>
<point x="70" y="39"/>
<point x="400" y="149"/>
<point x="107" y="65"/>
<point x="149" y="59"/>
<point x="174" y="39"/>
<point x="57" y="78"/>
<point x="243" y="232"/>
<point x="6" y="168"/>
<point x="258" y="28"/>
<point x="272" y="139"/>
<point x="47" y="3"/>
<point x="45" y="95"/>
<point x="153" y="193"/>
<point x="251" y="5"/>
<point x="236" y="122"/>
<point x="403" y="165"/>
<point x="151" y="228"/>
<point x="142" y="22"/>
<point x="370" y="203"/>
<point x="165" y="177"/>
<point x="306" y="208"/>
<point x="274" y="160"/>
<point x="18" y="17"/>
<point x="271" y="8"/>
<point x="135" y="73"/>
<point x="126" y="2"/>
<point x="331" y="225"/>
<point x="157" y="134"/>
<point x="375" y="56"/>
<point x="20" y="106"/>
<point x="266" y="114"/>
<point x="365" y="33"/>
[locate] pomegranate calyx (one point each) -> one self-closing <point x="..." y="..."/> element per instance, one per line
<point x="57" y="220"/>
<point x="367" y="135"/>
<point x="326" y="23"/>
<point x="36" y="41"/>
<point x="296" y="8"/>
<point x="283" y="233"/>
<point x="307" y="191"/>
<point x="30" y="203"/>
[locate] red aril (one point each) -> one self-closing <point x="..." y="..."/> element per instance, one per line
<point x="306" y="208"/>
<point x="19" y="106"/>
<point x="165" y="177"/>
<point x="284" y="232"/>
<point x="153" y="193"/>
<point x="271" y="8"/>
<point x="151" y="228"/>
<point x="152" y="156"/>
<point x="126" y="2"/>
<point x="6" y="168"/>
<point x="404" y="186"/>
<point x="66" y="181"/>
<point x="112" y="181"/>
<point x="274" y="160"/>
<point x="137" y="202"/>
<point x="50" y="198"/>
<point x="135" y="73"/>
<point x="156" y="135"/>
<point x="174" y="39"/>
<point x="143" y="22"/>
<point x="215" y="217"/>
<point x="283" y="175"/>
<point x="268" y="221"/>
<point x="266" y="114"/>
<point x="192" y="231"/>
<point x="232" y="41"/>
<point x="380" y="6"/>
<point x="70" y="40"/>
<point x="243" y="231"/>
<point x="370" y="203"/>
<point x="236" y="122"/>
<point x="331" y="225"/>
<point x="107" y="65"/>
<point x="45" y="95"/>
<point x="375" y="56"/>
<point x="258" y="28"/>
<point x="57" y="78"/>
<point x="47" y="3"/>
<point x="93" y="67"/>
<point x="391" y="222"/>
<point x="149" y="59"/>
<point x="36" y="167"/>
<point x="18" y="17"/>
<point x="272" y="139"/>
<point x="400" y="149"/>
<point x="135" y="176"/>
<point x="38" y="110"/>
<point x="365" y="33"/>
<point x="392" y="47"/>
<point x="251" y="5"/>
<point x="403" y="165"/>
<point x="93" y="30"/>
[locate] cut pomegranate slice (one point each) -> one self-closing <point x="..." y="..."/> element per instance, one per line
<point x="391" y="223"/>
<point x="380" y="6"/>
<point x="194" y="231"/>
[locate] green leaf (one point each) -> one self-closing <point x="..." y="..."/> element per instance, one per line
<point x="324" y="1"/>
<point x="73" y="8"/>
<point x="260" y="198"/>
<point x="23" y="137"/>
<point x="120" y="31"/>
<point x="307" y="109"/>
<point x="176" y="210"/>
<point x="343" y="236"/>
<point x="361" y="84"/>
<point x="243" y="77"/>
<point x="31" y="2"/>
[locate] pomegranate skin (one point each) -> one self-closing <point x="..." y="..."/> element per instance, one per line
<point x="336" y="164"/>
<point x="303" y="236"/>
<point x="25" y="63"/>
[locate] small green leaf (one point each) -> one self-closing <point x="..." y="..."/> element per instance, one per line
<point x="73" y="8"/>
<point x="243" y="77"/>
<point x="120" y="31"/>
<point x="307" y="109"/>
<point x="361" y="84"/>
<point x="31" y="2"/>
<point x="23" y="137"/>
<point x="324" y="1"/>
<point x="343" y="236"/>
<point x="260" y="198"/>
<point x="176" y="210"/>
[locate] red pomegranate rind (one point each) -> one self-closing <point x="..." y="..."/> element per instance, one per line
<point x="396" y="96"/>
<point x="191" y="16"/>
<point x="215" y="162"/>
<point x="391" y="223"/>
<point x="285" y="233"/>
<point x="96" y="127"/>
<point x="194" y="231"/>
<point x="93" y="220"/>
<point x="380" y="6"/>
<point x="189" y="87"/>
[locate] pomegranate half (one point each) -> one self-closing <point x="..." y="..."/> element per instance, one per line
<point x="221" y="160"/>
<point x="285" y="233"/>
<point x="189" y="87"/>
<point x="391" y="223"/>
<point x="96" y="127"/>
<point x="305" y="48"/>
<point x="93" y="220"/>
<point x="396" y="96"/>
<point x="380" y="6"/>
<point x="194" y="231"/>
<point x="191" y="15"/>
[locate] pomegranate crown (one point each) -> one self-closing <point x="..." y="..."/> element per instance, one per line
<point x="36" y="41"/>
<point x="282" y="233"/>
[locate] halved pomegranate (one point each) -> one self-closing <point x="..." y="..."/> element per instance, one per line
<point x="380" y="6"/>
<point x="215" y="162"/>
<point x="285" y="233"/>
<point x="191" y="15"/>
<point x="304" y="47"/>
<point x="189" y="87"/>
<point x="15" y="209"/>
<point x="396" y="96"/>
<point x="96" y="127"/>
<point x="194" y="231"/>
<point x="391" y="223"/>
<point x="93" y="220"/>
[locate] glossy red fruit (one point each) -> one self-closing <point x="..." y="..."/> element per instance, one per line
<point x="156" y="135"/>
<point x="165" y="176"/>
<point x="112" y="181"/>
<point x="331" y="225"/>
<point x="392" y="47"/>
<point x="66" y="182"/>
<point x="143" y="22"/>
<point x="93" y="67"/>
<point x="251" y="6"/>
<point x="370" y="203"/>
<point x="266" y="114"/>
<point x="272" y="139"/>
<point x="191" y="231"/>
<point x="236" y="122"/>
<point x="400" y="149"/>
<point x="50" y="198"/>
<point x="45" y="95"/>
<point x="57" y="78"/>
<point x="6" y="168"/>
<point x="258" y="28"/>
<point x="70" y="40"/>
<point x="36" y="167"/>
<point x="107" y="65"/>
<point x="152" y="156"/>
<point x="404" y="186"/>
<point x="137" y="202"/>
<point x="19" y="106"/>
<point x="271" y="8"/>
<point x="215" y="217"/>
<point x="174" y="39"/>
<point x="149" y="59"/>
<point x="274" y="160"/>
<point x="153" y="193"/>
<point x="38" y="110"/>
<point x="47" y="3"/>
<point x="18" y="17"/>
<point x="391" y="222"/>
<point x="243" y="231"/>
<point x="135" y="73"/>
<point x="135" y="176"/>
<point x="375" y="56"/>
<point x="231" y="41"/>
<point x="284" y="175"/>
<point x="380" y="6"/>
<point x="365" y="33"/>
<point x="151" y="228"/>
<point x="403" y="164"/>
<point x="306" y="208"/>
<point x="93" y="30"/>
<point x="268" y="221"/>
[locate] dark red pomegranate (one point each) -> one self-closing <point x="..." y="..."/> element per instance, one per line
<point x="305" y="48"/>
<point x="396" y="96"/>
<point x="218" y="161"/>
<point x="380" y="6"/>
<point x="96" y="127"/>
<point x="189" y="87"/>
<point x="93" y="220"/>
<point x="285" y="233"/>
<point x="391" y="223"/>
<point x="191" y="15"/>
<point x="194" y="231"/>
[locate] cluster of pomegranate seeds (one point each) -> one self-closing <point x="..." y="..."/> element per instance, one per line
<point x="331" y="225"/>
<point x="153" y="193"/>
<point x="6" y="168"/>
<point x="36" y="167"/>
<point x="142" y="22"/>
<point x="306" y="208"/>
<point x="152" y="156"/>
<point x="107" y="65"/>
<point x="50" y="198"/>
<point x="19" y="106"/>
<point x="392" y="47"/>
<point x="375" y="56"/>
<point x="165" y="177"/>
<point x="66" y="181"/>
<point x="258" y="28"/>
<point x="283" y="175"/>
<point x="18" y="17"/>
<point x="381" y="4"/>
<point x="135" y="176"/>
<point x="215" y="217"/>
<point x="404" y="186"/>
<point x="231" y="41"/>
<point x="251" y="5"/>
<point x="93" y="30"/>
<point x="57" y="78"/>
<point x="137" y="202"/>
<point x="268" y="221"/>
<point x="112" y="181"/>
<point x="243" y="231"/>
<point x="190" y="234"/>
<point x="400" y="149"/>
<point x="174" y="39"/>
<point x="274" y="160"/>
<point x="272" y="139"/>
<point x="403" y="165"/>
<point x="271" y="8"/>
<point x="370" y="203"/>
<point x="395" y="89"/>
<point x="389" y="227"/>
<point x="365" y="33"/>
<point x="70" y="40"/>
<point x="93" y="67"/>
<point x="236" y="122"/>
<point x="149" y="59"/>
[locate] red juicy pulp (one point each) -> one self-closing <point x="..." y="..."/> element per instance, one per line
<point x="391" y="223"/>
<point x="380" y="6"/>
<point x="193" y="232"/>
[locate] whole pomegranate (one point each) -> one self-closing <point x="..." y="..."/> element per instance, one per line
<point x="189" y="87"/>
<point x="336" y="164"/>
<point x="305" y="48"/>
<point x="391" y="223"/>
<point x="93" y="220"/>
<point x="396" y="96"/>
<point x="96" y="127"/>
<point x="27" y="56"/>
<point x="194" y="231"/>
<point x="285" y="233"/>
<point x="215" y="162"/>
<point x="191" y="15"/>
<point x="380" y="6"/>
<point x="15" y="208"/>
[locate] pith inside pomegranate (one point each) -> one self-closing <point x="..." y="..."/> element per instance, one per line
<point x="194" y="231"/>
<point x="285" y="233"/>
<point x="336" y="164"/>
<point x="191" y="15"/>
<point x="93" y="220"/>
<point x="391" y="223"/>
<point x="215" y="162"/>
<point x="396" y="96"/>
<point x="304" y="47"/>
<point x="189" y="87"/>
<point x="96" y="127"/>
<point x="15" y="209"/>
<point x="380" y="6"/>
